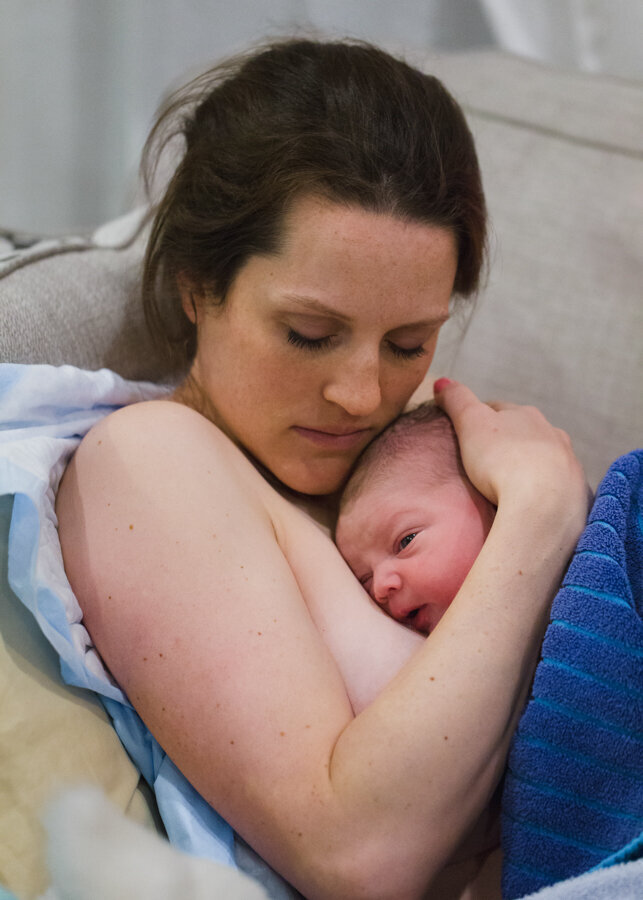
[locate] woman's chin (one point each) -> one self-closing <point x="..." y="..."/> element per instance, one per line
<point x="318" y="482"/>
<point x="316" y="487"/>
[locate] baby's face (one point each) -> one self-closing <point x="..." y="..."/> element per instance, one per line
<point x="411" y="544"/>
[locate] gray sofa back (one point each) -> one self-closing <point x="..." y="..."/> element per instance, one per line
<point x="560" y="322"/>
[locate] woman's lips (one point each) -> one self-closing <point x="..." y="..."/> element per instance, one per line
<point x="333" y="441"/>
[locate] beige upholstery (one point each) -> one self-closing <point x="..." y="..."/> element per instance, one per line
<point x="560" y="324"/>
<point x="51" y="735"/>
<point x="78" y="303"/>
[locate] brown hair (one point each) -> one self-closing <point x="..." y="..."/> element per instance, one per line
<point x="426" y="426"/>
<point x="344" y="120"/>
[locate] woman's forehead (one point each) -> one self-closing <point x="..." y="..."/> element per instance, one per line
<point x="311" y="219"/>
<point x="329" y="245"/>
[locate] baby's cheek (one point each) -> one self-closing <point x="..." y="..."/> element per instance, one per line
<point x="447" y="588"/>
<point x="451" y="571"/>
<point x="468" y="548"/>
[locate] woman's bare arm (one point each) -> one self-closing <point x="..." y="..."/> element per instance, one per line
<point x="174" y="554"/>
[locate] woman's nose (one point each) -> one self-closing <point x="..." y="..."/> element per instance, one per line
<point x="386" y="582"/>
<point x="355" y="386"/>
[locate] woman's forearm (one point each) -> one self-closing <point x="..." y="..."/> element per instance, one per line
<point x="434" y="743"/>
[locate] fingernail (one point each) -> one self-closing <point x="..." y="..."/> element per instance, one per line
<point x="440" y="384"/>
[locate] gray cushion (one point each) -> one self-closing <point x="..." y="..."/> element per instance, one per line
<point x="77" y="301"/>
<point x="560" y="323"/>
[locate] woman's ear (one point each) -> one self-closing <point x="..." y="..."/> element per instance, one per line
<point x="190" y="297"/>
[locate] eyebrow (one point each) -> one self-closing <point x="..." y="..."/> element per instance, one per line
<point x="312" y="304"/>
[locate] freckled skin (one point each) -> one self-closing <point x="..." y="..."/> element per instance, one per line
<point x="259" y="387"/>
<point x="332" y="655"/>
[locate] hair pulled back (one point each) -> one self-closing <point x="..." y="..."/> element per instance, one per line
<point x="343" y="120"/>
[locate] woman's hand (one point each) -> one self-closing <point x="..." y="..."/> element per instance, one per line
<point x="513" y="454"/>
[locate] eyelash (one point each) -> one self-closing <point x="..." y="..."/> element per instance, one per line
<point x="407" y="352"/>
<point x="305" y="343"/>
<point x="313" y="344"/>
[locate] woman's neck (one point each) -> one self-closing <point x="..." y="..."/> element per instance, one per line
<point x="321" y="509"/>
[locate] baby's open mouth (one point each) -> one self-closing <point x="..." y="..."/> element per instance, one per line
<point x="417" y="620"/>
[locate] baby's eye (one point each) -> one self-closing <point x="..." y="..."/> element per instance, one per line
<point x="406" y="540"/>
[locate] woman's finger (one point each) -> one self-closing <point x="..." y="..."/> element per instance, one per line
<point x="464" y="398"/>
<point x="454" y="398"/>
<point x="498" y="405"/>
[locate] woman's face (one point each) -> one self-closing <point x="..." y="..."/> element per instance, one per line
<point x="319" y="346"/>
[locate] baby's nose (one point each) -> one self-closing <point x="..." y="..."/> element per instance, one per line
<point x="386" y="581"/>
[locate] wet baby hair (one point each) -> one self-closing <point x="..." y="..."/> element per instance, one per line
<point x="425" y="435"/>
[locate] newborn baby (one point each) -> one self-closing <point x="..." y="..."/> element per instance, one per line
<point x="411" y="523"/>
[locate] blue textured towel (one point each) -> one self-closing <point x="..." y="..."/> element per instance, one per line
<point x="573" y="795"/>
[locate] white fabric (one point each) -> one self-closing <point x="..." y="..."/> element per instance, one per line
<point x="589" y="35"/>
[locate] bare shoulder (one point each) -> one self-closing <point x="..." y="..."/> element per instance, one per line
<point x="156" y="491"/>
<point x="155" y="460"/>
<point x="155" y="432"/>
<point x="169" y="544"/>
<point x="155" y="488"/>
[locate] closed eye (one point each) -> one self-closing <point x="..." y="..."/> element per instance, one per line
<point x="322" y="343"/>
<point x="366" y="581"/>
<point x="305" y="343"/>
<point x="407" y="352"/>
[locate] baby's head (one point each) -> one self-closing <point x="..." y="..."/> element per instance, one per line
<point x="411" y="523"/>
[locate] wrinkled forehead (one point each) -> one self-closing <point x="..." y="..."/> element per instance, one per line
<point x="385" y="494"/>
<point x="389" y="470"/>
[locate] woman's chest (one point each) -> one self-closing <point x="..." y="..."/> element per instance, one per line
<point x="368" y="646"/>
